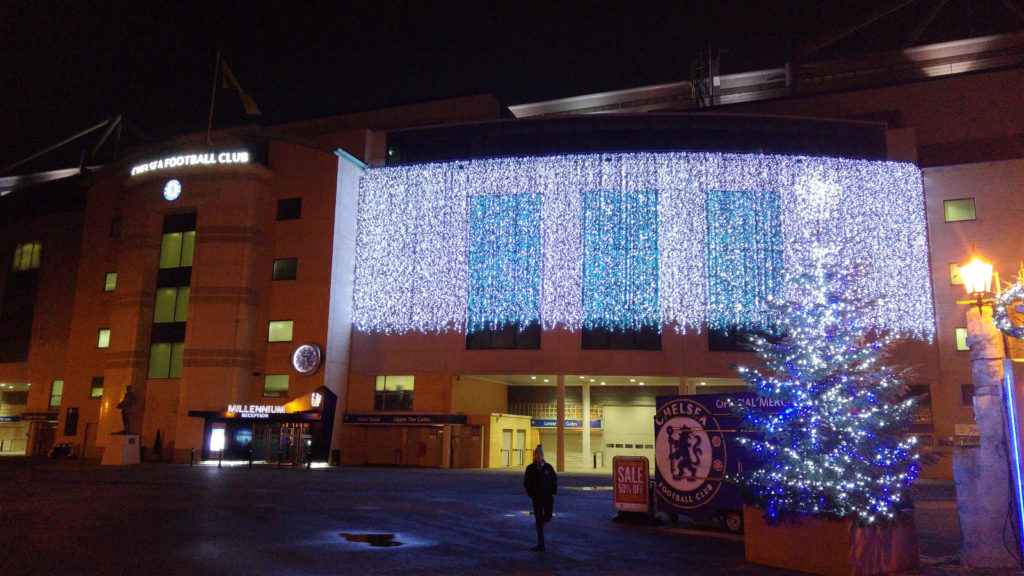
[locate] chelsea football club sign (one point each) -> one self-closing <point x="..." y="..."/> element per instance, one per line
<point x="689" y="452"/>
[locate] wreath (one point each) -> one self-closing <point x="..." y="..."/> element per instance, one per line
<point x="1000" y="314"/>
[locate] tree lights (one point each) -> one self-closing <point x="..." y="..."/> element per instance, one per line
<point x="623" y="240"/>
<point x="837" y="449"/>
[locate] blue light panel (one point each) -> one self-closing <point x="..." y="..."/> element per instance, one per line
<point x="504" y="261"/>
<point x="744" y="258"/>
<point x="620" y="259"/>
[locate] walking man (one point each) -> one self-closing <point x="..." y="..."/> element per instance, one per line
<point x="541" y="484"/>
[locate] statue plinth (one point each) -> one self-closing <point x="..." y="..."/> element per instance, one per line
<point x="122" y="450"/>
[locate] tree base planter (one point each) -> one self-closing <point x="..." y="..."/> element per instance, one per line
<point x="831" y="547"/>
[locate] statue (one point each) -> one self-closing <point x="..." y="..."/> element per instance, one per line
<point x="125" y="405"/>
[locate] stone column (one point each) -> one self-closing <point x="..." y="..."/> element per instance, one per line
<point x="982" y="472"/>
<point x="560" y="424"/>
<point x="588" y="460"/>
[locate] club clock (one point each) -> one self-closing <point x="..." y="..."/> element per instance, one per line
<point x="306" y="358"/>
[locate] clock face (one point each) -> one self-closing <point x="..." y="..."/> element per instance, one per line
<point x="306" y="358"/>
<point x="172" y="190"/>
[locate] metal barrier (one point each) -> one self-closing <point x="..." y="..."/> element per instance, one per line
<point x="505" y="458"/>
<point x="599" y="459"/>
<point x="518" y="456"/>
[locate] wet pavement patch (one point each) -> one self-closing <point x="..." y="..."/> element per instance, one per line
<point x="374" y="540"/>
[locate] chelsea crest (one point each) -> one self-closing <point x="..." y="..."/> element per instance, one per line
<point x="689" y="453"/>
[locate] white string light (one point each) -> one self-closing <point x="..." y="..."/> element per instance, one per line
<point x="414" y="271"/>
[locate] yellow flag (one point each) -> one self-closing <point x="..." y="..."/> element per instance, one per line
<point x="228" y="81"/>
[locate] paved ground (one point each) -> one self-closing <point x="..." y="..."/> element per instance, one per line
<point x="73" y="518"/>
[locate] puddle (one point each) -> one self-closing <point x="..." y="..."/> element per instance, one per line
<point x="374" y="540"/>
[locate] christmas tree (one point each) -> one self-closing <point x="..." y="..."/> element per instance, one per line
<point x="834" y="443"/>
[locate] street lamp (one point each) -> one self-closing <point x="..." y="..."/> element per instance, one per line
<point x="977" y="277"/>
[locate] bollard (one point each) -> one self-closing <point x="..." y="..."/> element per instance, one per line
<point x="220" y="458"/>
<point x="192" y="457"/>
<point x="250" y="457"/>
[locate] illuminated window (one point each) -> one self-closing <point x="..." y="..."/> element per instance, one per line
<point x="176" y="249"/>
<point x="280" y="331"/>
<point x="955" y="278"/>
<point x="275" y="385"/>
<point x="959" y="210"/>
<point x="961" y="339"/>
<point x="285" y="268"/>
<point x="165" y="359"/>
<point x="171" y="304"/>
<point x="26" y="256"/>
<point x="110" y="282"/>
<point x="96" y="388"/>
<point x="56" y="391"/>
<point x="289" y="208"/>
<point x="393" y="393"/>
<point x="103" y="338"/>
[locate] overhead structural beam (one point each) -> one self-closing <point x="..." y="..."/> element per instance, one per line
<point x="843" y="31"/>
<point x="57" y="145"/>
<point x="924" y="23"/>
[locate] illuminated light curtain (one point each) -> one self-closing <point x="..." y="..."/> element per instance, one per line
<point x="504" y="261"/>
<point x="620" y="260"/>
<point x="413" y="237"/>
<point x="744" y="260"/>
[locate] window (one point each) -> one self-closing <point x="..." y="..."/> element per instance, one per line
<point x="620" y="259"/>
<point x="646" y="338"/>
<point x="96" y="389"/>
<point x="955" y="277"/>
<point x="116" y="223"/>
<point x="165" y="359"/>
<point x="56" y="391"/>
<point x="959" y="210"/>
<point x="967" y="394"/>
<point x="103" y="338"/>
<point x="393" y="393"/>
<point x="289" y="208"/>
<point x="110" y="282"/>
<point x="275" y="385"/>
<point x="280" y="331"/>
<point x="922" y="421"/>
<point x="27" y="256"/>
<point x="505" y="337"/>
<point x="961" y="339"/>
<point x="504" y="272"/>
<point x="171" y="304"/>
<point x="285" y="268"/>
<point x="744" y="263"/>
<point x="176" y="249"/>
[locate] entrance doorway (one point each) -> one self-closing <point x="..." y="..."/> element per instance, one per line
<point x="285" y="443"/>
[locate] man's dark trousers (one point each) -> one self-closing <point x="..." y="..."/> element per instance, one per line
<point x="542" y="509"/>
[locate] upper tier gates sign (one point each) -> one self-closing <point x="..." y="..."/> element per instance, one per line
<point x="198" y="159"/>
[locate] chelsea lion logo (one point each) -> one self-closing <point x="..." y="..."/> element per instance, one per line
<point x="689" y="453"/>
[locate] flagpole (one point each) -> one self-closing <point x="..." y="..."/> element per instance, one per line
<point x="213" y="96"/>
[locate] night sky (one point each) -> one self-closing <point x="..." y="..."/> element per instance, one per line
<point x="65" y="66"/>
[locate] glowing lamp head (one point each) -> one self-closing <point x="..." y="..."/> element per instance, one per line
<point x="977" y="276"/>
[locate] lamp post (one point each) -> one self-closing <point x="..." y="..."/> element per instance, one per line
<point x="983" y="486"/>
<point x="977" y="275"/>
